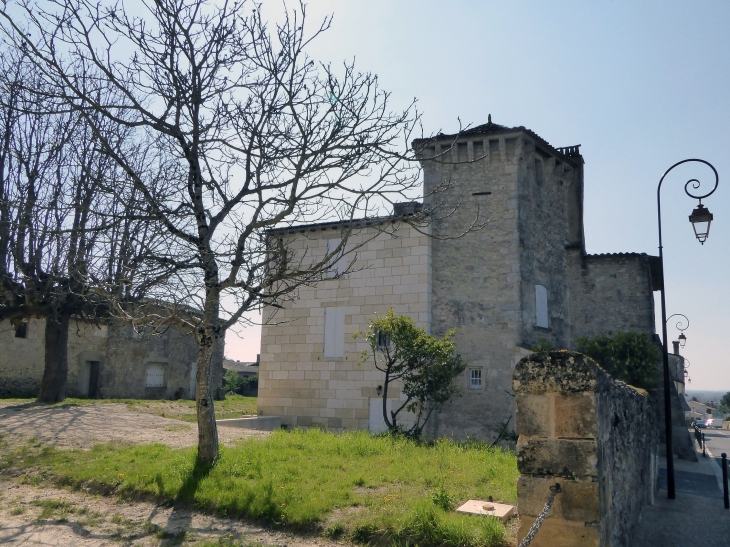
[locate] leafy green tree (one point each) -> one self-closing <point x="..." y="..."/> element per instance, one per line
<point x="425" y="364"/>
<point x="725" y="403"/>
<point x="232" y="382"/>
<point x="627" y="356"/>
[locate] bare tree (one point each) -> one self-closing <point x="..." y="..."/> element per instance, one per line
<point x="64" y="238"/>
<point x="264" y="137"/>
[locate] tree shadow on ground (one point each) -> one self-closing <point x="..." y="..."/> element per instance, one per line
<point x="190" y="486"/>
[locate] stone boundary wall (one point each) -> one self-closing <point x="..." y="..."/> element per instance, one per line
<point x="594" y="435"/>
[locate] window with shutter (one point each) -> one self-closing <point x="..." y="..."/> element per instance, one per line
<point x="334" y="333"/>
<point x="155" y="375"/>
<point x="541" y="307"/>
<point x="338" y="264"/>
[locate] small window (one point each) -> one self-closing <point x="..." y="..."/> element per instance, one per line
<point x="383" y="341"/>
<point x="475" y="378"/>
<point x="21" y="330"/>
<point x="337" y="265"/>
<point x="155" y="375"/>
<point x="541" y="307"/>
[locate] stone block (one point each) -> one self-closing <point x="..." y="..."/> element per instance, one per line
<point x="560" y="533"/>
<point x="575" y="416"/>
<point x="265" y="423"/>
<point x="565" y="458"/>
<point x="578" y="501"/>
<point x="533" y="415"/>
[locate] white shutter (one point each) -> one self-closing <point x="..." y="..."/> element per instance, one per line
<point x="155" y="375"/>
<point x="541" y="307"/>
<point x="337" y="264"/>
<point x="334" y="333"/>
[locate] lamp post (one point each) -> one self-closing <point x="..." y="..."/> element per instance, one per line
<point x="700" y="219"/>
<point x="681" y="326"/>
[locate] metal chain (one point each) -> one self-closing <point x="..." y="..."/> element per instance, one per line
<point x="554" y="490"/>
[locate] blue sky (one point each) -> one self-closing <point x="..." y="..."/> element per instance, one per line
<point x="640" y="85"/>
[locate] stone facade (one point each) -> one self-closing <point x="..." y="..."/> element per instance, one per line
<point x="522" y="278"/>
<point x="106" y="361"/>
<point x="620" y="285"/>
<point x="390" y="268"/>
<point x="593" y="435"/>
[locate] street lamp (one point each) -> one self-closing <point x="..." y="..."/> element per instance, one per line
<point x="700" y="219"/>
<point x="681" y="326"/>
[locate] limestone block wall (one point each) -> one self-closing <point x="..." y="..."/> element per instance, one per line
<point x="123" y="358"/>
<point x="22" y="359"/>
<point x="547" y="196"/>
<point x="391" y="269"/>
<point x="124" y="372"/>
<point x="592" y="434"/>
<point x="476" y="278"/>
<point x="609" y="293"/>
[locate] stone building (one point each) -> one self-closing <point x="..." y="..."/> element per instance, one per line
<point x="110" y="360"/>
<point x="523" y="278"/>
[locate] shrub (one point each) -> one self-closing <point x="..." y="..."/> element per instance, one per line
<point x="628" y="356"/>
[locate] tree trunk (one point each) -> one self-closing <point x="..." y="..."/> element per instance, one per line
<point x="55" y="373"/>
<point x="207" y="429"/>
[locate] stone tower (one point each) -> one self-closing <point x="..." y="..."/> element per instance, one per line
<point x="504" y="287"/>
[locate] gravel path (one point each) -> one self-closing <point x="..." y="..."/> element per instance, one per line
<point x="86" y="425"/>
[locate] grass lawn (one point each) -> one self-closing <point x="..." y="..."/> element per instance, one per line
<point x="234" y="406"/>
<point x="378" y="490"/>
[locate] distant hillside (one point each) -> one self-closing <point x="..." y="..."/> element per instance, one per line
<point x="705" y="395"/>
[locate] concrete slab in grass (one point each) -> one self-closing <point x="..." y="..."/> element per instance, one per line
<point x="478" y="507"/>
<point x="265" y="423"/>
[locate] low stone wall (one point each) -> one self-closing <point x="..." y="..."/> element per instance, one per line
<point x="595" y="436"/>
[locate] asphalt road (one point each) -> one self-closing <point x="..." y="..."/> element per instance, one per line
<point x="718" y="441"/>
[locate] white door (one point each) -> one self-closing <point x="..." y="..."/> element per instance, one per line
<point x="376" y="423"/>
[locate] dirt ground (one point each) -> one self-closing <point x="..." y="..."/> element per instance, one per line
<point x="42" y="515"/>
<point x="49" y="516"/>
<point x="86" y="425"/>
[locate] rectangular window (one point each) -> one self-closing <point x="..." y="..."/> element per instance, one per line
<point x="383" y="341"/>
<point x="334" y="333"/>
<point x="22" y="330"/>
<point x="155" y="375"/>
<point x="475" y="378"/>
<point x="337" y="264"/>
<point x="541" y="307"/>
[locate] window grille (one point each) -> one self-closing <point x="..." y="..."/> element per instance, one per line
<point x="475" y="378"/>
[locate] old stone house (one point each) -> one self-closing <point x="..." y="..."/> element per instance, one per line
<point x="109" y="360"/>
<point x="524" y="277"/>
